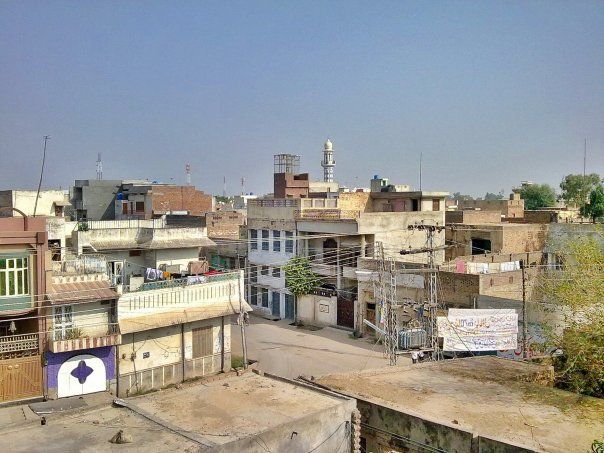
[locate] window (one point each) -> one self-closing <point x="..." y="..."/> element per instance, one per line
<point x="436" y="204"/>
<point x="124" y="207"/>
<point x="63" y="321"/>
<point x="265" y="240"/>
<point x="254" y="295"/>
<point x="289" y="242"/>
<point x="203" y="344"/>
<point x="14" y="276"/>
<point x="140" y="206"/>
<point x="276" y="241"/>
<point x="265" y="297"/>
<point x="276" y="272"/>
<point x="254" y="273"/>
<point x="264" y="270"/>
<point x="254" y="240"/>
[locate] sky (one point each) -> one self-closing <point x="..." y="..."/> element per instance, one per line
<point x="490" y="93"/>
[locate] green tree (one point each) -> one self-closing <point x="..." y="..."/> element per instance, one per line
<point x="577" y="290"/>
<point x="299" y="277"/>
<point x="460" y="197"/>
<point x="494" y="196"/>
<point x="537" y="196"/>
<point x="595" y="208"/>
<point x="576" y="188"/>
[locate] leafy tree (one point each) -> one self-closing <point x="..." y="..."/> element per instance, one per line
<point x="460" y="197"/>
<point x="494" y="196"/>
<point x="537" y="196"/>
<point x="595" y="208"/>
<point x="299" y="277"/>
<point x="576" y="188"/>
<point x="577" y="289"/>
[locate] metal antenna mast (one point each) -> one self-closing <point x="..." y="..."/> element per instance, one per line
<point x="188" y="174"/>
<point x="99" y="167"/>
<point x="46" y="138"/>
<point x="224" y="186"/>
<point x="387" y="300"/>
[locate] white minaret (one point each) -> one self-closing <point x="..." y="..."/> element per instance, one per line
<point x="328" y="163"/>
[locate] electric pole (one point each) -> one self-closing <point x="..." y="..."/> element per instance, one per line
<point x="524" y="317"/>
<point x="46" y="138"/>
<point x="432" y="299"/>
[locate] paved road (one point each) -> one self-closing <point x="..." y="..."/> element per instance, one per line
<point x="290" y="352"/>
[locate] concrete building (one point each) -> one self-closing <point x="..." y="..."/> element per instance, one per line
<point x="174" y="323"/>
<point x="512" y="208"/>
<point x="51" y="203"/>
<point x="82" y="328"/>
<point x="504" y="238"/>
<point x="333" y="234"/>
<point x="248" y="413"/>
<point x="24" y="259"/>
<point x="148" y="201"/>
<point x="94" y="199"/>
<point x="481" y="404"/>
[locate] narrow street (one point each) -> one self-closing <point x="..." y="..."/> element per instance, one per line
<point x="289" y="351"/>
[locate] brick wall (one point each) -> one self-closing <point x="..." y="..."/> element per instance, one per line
<point x="180" y="198"/>
<point x="289" y="185"/>
<point x="224" y="224"/>
<point x="470" y="217"/>
<point x="355" y="201"/>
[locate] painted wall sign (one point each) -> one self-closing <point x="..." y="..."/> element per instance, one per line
<point x="146" y="355"/>
<point x="479" y="330"/>
<point x="324" y="308"/>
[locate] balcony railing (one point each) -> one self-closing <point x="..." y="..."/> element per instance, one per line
<point x="183" y="282"/>
<point x="18" y="343"/>
<point x="79" y="332"/>
<point x="88" y="264"/>
<point x="75" y="339"/>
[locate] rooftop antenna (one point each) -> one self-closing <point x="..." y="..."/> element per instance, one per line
<point x="99" y="167"/>
<point x="224" y="186"/>
<point x="46" y="138"/>
<point x="243" y="186"/>
<point x="421" y="155"/>
<point x="584" y="156"/>
<point x="188" y="174"/>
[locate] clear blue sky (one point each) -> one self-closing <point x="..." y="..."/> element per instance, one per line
<point x="491" y="92"/>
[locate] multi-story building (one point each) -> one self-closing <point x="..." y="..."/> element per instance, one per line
<point x="82" y="329"/>
<point x="173" y="320"/>
<point x="333" y="233"/>
<point x="23" y="282"/>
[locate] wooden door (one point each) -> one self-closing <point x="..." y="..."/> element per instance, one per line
<point x="20" y="378"/>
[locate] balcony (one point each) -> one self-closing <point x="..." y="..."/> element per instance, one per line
<point x="88" y="264"/>
<point x="326" y="214"/>
<point x="75" y="339"/>
<point x="18" y="345"/>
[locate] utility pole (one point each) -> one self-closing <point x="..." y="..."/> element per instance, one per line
<point x="421" y="155"/>
<point x="241" y="316"/>
<point x="524" y="317"/>
<point x="46" y="138"/>
<point x="584" y="156"/>
<point x="432" y="299"/>
<point x="387" y="300"/>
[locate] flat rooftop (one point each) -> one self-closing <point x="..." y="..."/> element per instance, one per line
<point x="197" y="416"/>
<point x="485" y="395"/>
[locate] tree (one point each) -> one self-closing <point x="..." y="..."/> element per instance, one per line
<point x="595" y="208"/>
<point x="537" y="196"/>
<point x="494" y="196"/>
<point x="299" y="277"/>
<point x="576" y="188"/>
<point x="458" y="196"/>
<point x="577" y="290"/>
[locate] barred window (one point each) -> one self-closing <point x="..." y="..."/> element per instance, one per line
<point x="254" y="240"/>
<point x="265" y="240"/>
<point x="289" y="242"/>
<point x="276" y="241"/>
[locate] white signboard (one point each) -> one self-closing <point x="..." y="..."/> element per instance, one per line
<point x="479" y="330"/>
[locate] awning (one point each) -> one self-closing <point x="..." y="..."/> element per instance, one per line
<point x="66" y="293"/>
<point x="183" y="316"/>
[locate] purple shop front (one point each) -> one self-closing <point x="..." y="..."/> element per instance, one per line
<point x="80" y="372"/>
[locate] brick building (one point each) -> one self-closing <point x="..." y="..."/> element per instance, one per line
<point x="511" y="208"/>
